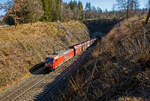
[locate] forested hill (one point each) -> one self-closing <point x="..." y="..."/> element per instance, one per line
<point x="24" y="11"/>
<point x="28" y="11"/>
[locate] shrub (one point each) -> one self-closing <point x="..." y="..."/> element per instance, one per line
<point x="10" y="20"/>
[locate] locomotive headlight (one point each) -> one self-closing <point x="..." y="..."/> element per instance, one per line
<point x="46" y="65"/>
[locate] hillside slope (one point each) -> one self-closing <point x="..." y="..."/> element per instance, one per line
<point x="117" y="70"/>
<point x="27" y="45"/>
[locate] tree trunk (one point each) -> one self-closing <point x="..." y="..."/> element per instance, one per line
<point x="148" y="16"/>
<point x="127" y="13"/>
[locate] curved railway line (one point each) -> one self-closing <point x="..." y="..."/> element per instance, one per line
<point x="67" y="72"/>
<point x="28" y="89"/>
<point x="32" y="82"/>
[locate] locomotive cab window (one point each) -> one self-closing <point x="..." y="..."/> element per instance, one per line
<point x="66" y="56"/>
<point x="49" y="60"/>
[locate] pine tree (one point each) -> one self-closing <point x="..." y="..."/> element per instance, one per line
<point x="80" y="7"/>
<point x="133" y="4"/>
<point x="88" y="10"/>
<point x="128" y="6"/>
<point x="73" y="5"/>
<point x="57" y="9"/>
<point x="47" y="5"/>
<point x="88" y="6"/>
<point x="122" y="4"/>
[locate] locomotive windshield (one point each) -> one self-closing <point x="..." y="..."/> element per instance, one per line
<point x="49" y="60"/>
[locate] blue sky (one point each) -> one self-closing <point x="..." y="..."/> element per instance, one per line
<point x="107" y="4"/>
<point x="1" y="11"/>
<point x="103" y="4"/>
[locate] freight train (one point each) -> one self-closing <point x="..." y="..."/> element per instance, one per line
<point x="51" y="63"/>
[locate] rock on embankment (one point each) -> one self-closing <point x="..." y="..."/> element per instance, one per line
<point x="27" y="45"/>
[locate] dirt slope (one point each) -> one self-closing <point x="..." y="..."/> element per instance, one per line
<point x="117" y="70"/>
<point x="27" y="45"/>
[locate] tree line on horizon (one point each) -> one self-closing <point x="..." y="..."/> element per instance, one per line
<point x="25" y="11"/>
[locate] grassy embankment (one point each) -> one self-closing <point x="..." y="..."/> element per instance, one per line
<point x="117" y="70"/>
<point x="27" y="45"/>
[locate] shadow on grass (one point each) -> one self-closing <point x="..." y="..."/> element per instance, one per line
<point x="38" y="69"/>
<point x="130" y="88"/>
<point x="53" y="89"/>
<point x="60" y="82"/>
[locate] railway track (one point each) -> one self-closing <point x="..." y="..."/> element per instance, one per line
<point x="32" y="82"/>
<point x="29" y="89"/>
<point x="66" y="73"/>
<point x="3" y="26"/>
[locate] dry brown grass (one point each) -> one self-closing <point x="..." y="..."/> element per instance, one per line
<point x="27" y="45"/>
<point x="117" y="70"/>
<point x="131" y="99"/>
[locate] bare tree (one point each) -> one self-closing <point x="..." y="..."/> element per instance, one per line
<point x="128" y="6"/>
<point x="133" y="5"/>
<point x="30" y="10"/>
<point x="66" y="13"/>
<point x="122" y="4"/>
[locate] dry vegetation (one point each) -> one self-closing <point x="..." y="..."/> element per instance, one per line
<point x="117" y="70"/>
<point x="28" y="44"/>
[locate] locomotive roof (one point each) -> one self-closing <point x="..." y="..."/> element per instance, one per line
<point x="60" y="53"/>
<point x="63" y="52"/>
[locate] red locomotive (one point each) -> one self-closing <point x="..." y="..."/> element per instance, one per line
<point x="52" y="62"/>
